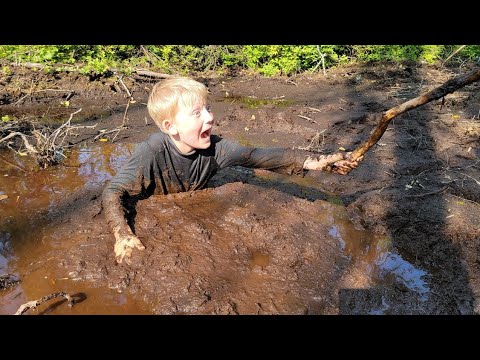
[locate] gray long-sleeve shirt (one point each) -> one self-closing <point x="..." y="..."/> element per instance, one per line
<point x="158" y="167"/>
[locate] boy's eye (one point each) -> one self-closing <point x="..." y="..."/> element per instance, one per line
<point x="208" y="108"/>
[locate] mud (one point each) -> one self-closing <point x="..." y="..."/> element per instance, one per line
<point x="398" y="235"/>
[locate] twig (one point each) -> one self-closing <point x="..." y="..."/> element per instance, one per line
<point x="429" y="193"/>
<point x="306" y="118"/>
<point x="125" y="114"/>
<point x="118" y="129"/>
<point x="34" y="303"/>
<point x="322" y="61"/>
<point x="471" y="177"/>
<point x="454" y="53"/>
<point x="29" y="147"/>
<point x="124" y="87"/>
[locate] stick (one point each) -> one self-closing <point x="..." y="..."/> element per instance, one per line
<point x="34" y="303"/>
<point x="453" y="54"/>
<point x="152" y="74"/>
<point x="125" y="87"/>
<point x="429" y="193"/>
<point x="437" y="93"/>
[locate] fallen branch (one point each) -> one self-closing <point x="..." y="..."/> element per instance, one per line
<point x="152" y="74"/>
<point x="34" y="303"/>
<point x="30" y="147"/>
<point x="140" y="72"/>
<point x="48" y="145"/>
<point x="435" y="94"/>
<point x="71" y="93"/>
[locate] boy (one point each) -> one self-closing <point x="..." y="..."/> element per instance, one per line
<point x="185" y="155"/>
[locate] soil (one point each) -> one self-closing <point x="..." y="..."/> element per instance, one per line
<point x="398" y="235"/>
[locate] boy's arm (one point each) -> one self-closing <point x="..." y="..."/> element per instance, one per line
<point x="125" y="240"/>
<point x="128" y="182"/>
<point x="281" y="160"/>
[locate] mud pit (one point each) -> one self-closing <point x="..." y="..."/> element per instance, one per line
<point x="398" y="235"/>
<point x="235" y="249"/>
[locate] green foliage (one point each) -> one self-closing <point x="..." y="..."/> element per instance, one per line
<point x="471" y="52"/>
<point x="370" y="53"/>
<point x="6" y="70"/>
<point x="280" y="59"/>
<point x="268" y="60"/>
<point x="431" y="53"/>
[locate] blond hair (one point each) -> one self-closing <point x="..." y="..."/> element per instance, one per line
<point x="167" y="95"/>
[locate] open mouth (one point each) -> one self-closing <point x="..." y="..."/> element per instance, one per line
<point x="205" y="134"/>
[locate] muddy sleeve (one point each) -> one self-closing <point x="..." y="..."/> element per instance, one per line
<point x="281" y="160"/>
<point x="133" y="178"/>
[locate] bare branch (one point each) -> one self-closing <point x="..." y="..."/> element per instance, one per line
<point x="34" y="303"/>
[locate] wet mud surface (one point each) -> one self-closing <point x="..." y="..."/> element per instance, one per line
<point x="398" y="235"/>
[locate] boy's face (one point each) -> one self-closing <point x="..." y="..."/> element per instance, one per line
<point x="192" y="127"/>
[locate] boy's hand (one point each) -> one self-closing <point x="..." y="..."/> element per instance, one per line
<point x="339" y="163"/>
<point x="124" y="245"/>
<point x="343" y="167"/>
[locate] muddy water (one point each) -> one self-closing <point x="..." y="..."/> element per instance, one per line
<point x="38" y="202"/>
<point x="369" y="252"/>
<point x="27" y="238"/>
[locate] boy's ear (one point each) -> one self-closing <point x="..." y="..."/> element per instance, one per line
<point x="169" y="127"/>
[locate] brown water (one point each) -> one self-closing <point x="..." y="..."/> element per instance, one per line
<point x="31" y="196"/>
<point x="27" y="237"/>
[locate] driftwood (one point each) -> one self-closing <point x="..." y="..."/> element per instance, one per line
<point x="435" y="94"/>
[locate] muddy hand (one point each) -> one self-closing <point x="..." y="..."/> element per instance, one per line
<point x="343" y="167"/>
<point x="124" y="247"/>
